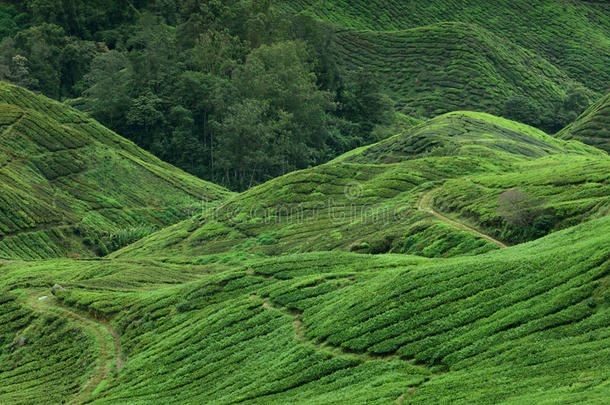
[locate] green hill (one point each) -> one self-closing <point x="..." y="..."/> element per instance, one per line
<point x="267" y="297"/>
<point x="70" y="186"/>
<point x="463" y="259"/>
<point x="445" y="67"/>
<point x="527" y="324"/>
<point x="440" y="56"/>
<point x="465" y="133"/>
<point x="370" y="201"/>
<point x="574" y="37"/>
<point x="593" y="126"/>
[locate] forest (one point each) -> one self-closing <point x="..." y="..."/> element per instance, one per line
<point x="234" y="92"/>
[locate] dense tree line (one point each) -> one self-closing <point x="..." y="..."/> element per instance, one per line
<point x="231" y="91"/>
<point x="551" y="117"/>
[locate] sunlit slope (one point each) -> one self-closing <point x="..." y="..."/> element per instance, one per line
<point x="573" y="36"/>
<point x="520" y="325"/>
<point x="446" y="67"/>
<point x="565" y="192"/>
<point x="66" y="181"/>
<point x="568" y="181"/>
<point x="593" y="126"/>
<point x="465" y="133"/>
<point x="370" y="201"/>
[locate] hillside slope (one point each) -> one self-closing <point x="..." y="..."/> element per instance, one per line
<point x="368" y="201"/>
<point x="257" y="299"/>
<point x="446" y="67"/>
<point x="593" y="126"/>
<point x="66" y="182"/>
<point x="574" y="37"/>
<point x="499" y="328"/>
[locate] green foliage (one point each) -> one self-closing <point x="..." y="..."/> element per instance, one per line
<point x="333" y="327"/>
<point x="120" y="62"/>
<point x="11" y="21"/>
<point x="369" y="200"/>
<point x="592" y="127"/>
<point x="574" y="36"/>
<point x="120" y="238"/>
<point x="40" y="350"/>
<point x="67" y="182"/>
<point x="303" y="289"/>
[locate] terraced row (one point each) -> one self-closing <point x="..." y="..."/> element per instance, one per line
<point x="574" y="36"/>
<point x="371" y="206"/>
<point x="450" y="66"/>
<point x="593" y="126"/>
<point x="567" y="192"/>
<point x="338" y="327"/>
<point x="66" y="182"/>
<point x="339" y="206"/>
<point x="43" y="358"/>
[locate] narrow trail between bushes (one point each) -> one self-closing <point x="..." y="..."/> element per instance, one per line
<point x="425" y="205"/>
<point x="299" y="334"/>
<point x="105" y="336"/>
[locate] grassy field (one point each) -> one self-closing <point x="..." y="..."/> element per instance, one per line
<point x="71" y="187"/>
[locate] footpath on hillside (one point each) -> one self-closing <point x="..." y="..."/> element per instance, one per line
<point x="425" y="205"/>
<point x="106" y="338"/>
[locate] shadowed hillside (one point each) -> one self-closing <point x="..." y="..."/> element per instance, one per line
<point x="68" y="183"/>
<point x="450" y="66"/>
<point x="573" y="35"/>
<point x="593" y="126"/>
<point x="370" y="202"/>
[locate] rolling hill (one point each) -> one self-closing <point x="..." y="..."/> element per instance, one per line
<point x="69" y="184"/>
<point x="441" y="56"/>
<point x="593" y="126"/>
<point x="446" y="67"/>
<point x="370" y="201"/>
<point x="269" y="296"/>
<point x="463" y="260"/>
<point x="519" y="325"/>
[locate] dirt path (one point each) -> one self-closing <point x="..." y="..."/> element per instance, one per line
<point x="299" y="334"/>
<point x="425" y="205"/>
<point x="105" y="336"/>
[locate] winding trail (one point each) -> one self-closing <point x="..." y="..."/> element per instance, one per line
<point x="425" y="205"/>
<point x="105" y="336"/>
<point x="299" y="334"/>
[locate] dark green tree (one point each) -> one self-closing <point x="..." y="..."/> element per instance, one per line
<point x="108" y="85"/>
<point x="365" y="104"/>
<point x="521" y="109"/>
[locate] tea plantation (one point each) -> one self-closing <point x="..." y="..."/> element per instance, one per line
<point x="439" y="56"/>
<point x="517" y="325"/>
<point x="71" y="187"/>
<point x="369" y="201"/>
<point x="464" y="259"/>
<point x="593" y="126"/>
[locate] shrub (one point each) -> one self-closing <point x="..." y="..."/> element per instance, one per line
<point x="123" y="237"/>
<point x="517" y="208"/>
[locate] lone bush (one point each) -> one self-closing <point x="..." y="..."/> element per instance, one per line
<point x="525" y="217"/>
